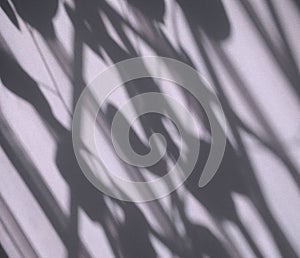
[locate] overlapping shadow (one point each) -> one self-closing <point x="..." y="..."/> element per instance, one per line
<point x="132" y="237"/>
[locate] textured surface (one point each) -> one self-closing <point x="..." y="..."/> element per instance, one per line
<point x="248" y="50"/>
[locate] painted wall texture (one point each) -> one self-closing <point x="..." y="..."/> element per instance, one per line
<point x="247" y="50"/>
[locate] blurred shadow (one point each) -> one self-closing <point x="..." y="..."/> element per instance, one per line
<point x="131" y="237"/>
<point x="208" y="14"/>
<point x="39" y="14"/>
